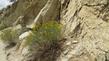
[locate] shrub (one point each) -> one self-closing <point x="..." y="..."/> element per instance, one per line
<point x="46" y="33"/>
<point x="2" y="25"/>
<point x="5" y="34"/>
<point x="10" y="34"/>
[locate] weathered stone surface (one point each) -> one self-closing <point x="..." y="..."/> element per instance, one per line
<point x="85" y="29"/>
<point x="84" y="22"/>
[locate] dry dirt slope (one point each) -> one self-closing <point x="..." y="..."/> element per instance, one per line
<point x="85" y="28"/>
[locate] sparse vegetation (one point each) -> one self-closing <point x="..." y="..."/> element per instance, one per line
<point x="5" y="34"/>
<point x="46" y="33"/>
<point x="9" y="34"/>
<point x="2" y="25"/>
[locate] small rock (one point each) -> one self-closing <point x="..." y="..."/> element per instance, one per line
<point x="74" y="42"/>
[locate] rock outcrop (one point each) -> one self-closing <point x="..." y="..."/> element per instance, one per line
<point x="86" y="21"/>
<point x="85" y="28"/>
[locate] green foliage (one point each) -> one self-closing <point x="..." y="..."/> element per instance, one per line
<point x="46" y="33"/>
<point x="9" y="34"/>
<point x="5" y="34"/>
<point x="2" y="25"/>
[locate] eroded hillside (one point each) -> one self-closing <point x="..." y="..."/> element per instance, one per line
<point x="55" y="30"/>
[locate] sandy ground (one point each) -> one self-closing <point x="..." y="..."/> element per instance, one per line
<point x="2" y="52"/>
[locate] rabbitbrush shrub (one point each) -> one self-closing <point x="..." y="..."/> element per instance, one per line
<point x="10" y="34"/>
<point x="46" y="33"/>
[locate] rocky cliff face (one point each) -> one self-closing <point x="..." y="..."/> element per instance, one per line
<point x="85" y="29"/>
<point x="86" y="22"/>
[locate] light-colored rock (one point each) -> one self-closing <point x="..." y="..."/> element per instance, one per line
<point x="84" y="22"/>
<point x="24" y="35"/>
<point x="85" y="29"/>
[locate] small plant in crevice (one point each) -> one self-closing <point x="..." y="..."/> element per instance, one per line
<point x="45" y="34"/>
